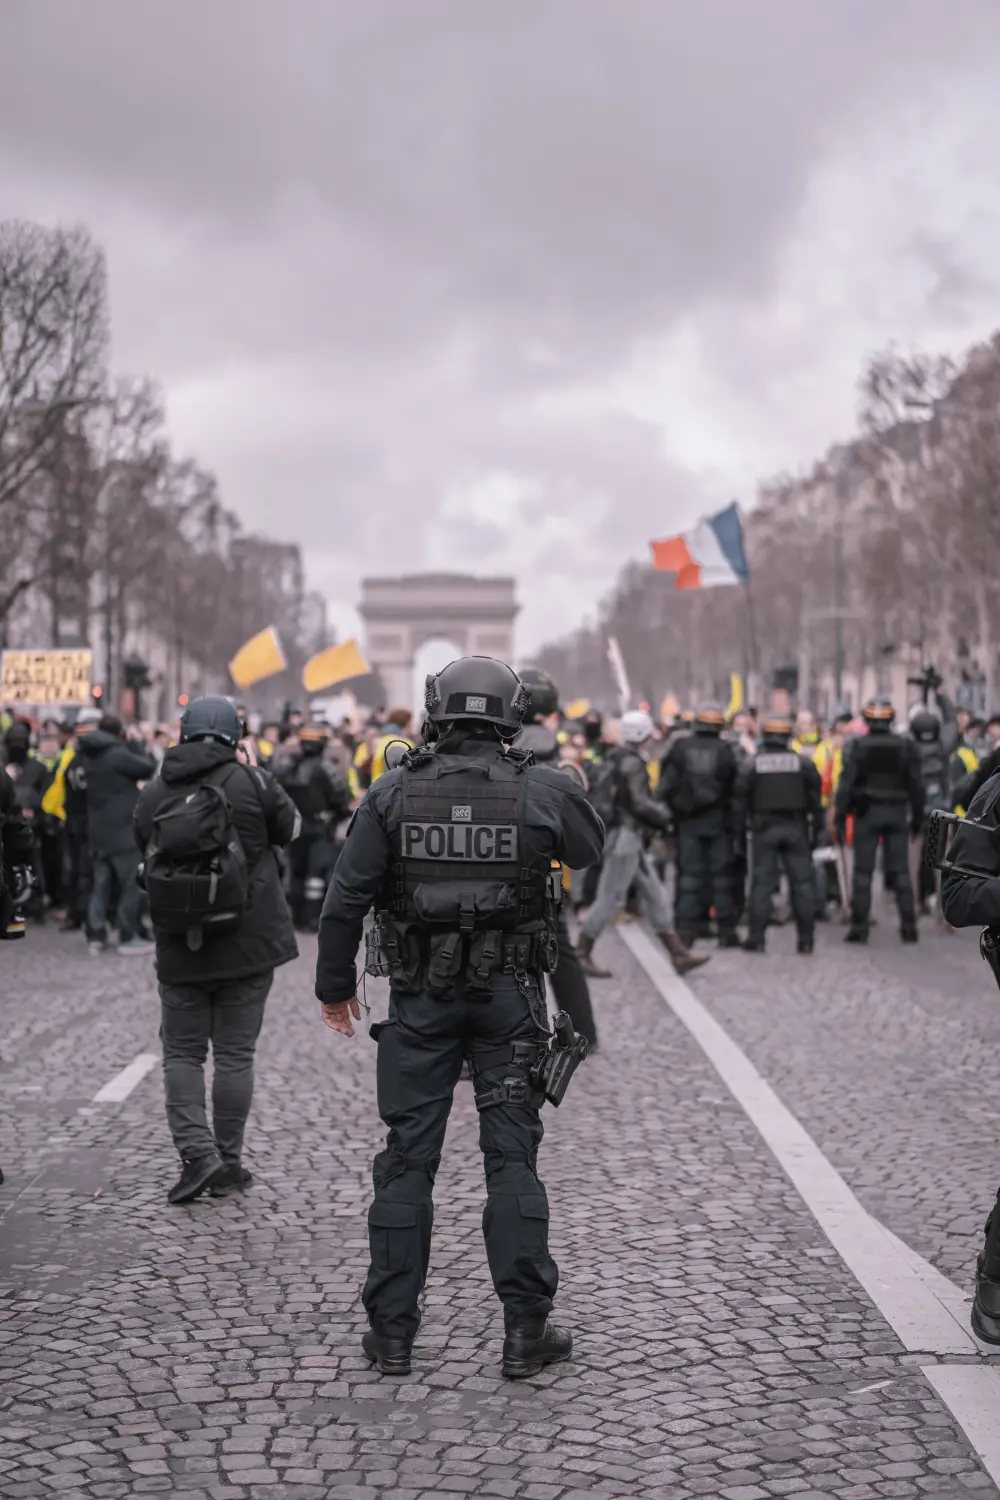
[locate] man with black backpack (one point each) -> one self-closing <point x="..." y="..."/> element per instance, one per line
<point x="208" y="827"/>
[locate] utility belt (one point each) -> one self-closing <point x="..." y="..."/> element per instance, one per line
<point x="417" y="959"/>
<point x="540" y="1071"/>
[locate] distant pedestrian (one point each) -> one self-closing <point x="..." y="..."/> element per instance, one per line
<point x="114" y="769"/>
<point x="209" y="826"/>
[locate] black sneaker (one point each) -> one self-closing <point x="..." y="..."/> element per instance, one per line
<point x="392" y="1356"/>
<point x="529" y="1346"/>
<point x="197" y="1175"/>
<point x="233" y="1180"/>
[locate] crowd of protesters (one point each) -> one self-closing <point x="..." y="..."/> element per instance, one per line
<point x="76" y="780"/>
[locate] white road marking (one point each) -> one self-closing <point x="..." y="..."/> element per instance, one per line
<point x="926" y="1312"/>
<point x="119" y="1087"/>
<point x="972" y="1394"/>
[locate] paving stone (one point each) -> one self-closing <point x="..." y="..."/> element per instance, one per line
<point x="721" y="1345"/>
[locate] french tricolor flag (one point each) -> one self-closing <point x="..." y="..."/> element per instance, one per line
<point x="707" y="557"/>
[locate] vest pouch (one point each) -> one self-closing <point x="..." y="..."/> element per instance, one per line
<point x="401" y="954"/>
<point x="444" y="963"/>
<point x="462" y="904"/>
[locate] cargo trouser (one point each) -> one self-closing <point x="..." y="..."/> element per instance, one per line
<point x="890" y="822"/>
<point x="421" y="1049"/>
<point x="704" y="872"/>
<point x="776" y="846"/>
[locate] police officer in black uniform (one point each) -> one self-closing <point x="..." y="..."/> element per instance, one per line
<point x="697" y="782"/>
<point x="970" y="897"/>
<point x="569" y="983"/>
<point x="882" y="786"/>
<point x="17" y="853"/>
<point x="322" y="798"/>
<point x="454" y="849"/>
<point x="779" y="799"/>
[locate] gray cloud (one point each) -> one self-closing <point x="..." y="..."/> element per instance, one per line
<point x="384" y="253"/>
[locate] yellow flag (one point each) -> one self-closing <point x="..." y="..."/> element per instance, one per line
<point x="577" y="708"/>
<point x="335" y="664"/>
<point x="735" y="694"/>
<point x="260" y="657"/>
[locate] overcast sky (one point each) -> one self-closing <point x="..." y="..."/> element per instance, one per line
<point x="511" y="285"/>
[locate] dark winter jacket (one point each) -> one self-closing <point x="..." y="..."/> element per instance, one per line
<point x="114" y="769"/>
<point x="265" y="820"/>
<point x="635" y="805"/>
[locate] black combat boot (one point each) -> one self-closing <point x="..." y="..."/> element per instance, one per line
<point x="585" y="953"/>
<point x="857" y="932"/>
<point x="986" y="1303"/>
<point x="908" y="932"/>
<point x="197" y="1175"/>
<point x="805" y="942"/>
<point x="530" y="1345"/>
<point x="753" y="944"/>
<point x="392" y="1356"/>
<point x="728" y="937"/>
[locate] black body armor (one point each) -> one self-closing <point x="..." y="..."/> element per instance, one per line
<point x="779" y="787"/>
<point x="705" y="771"/>
<point x="882" y="774"/>
<point x="465" y="895"/>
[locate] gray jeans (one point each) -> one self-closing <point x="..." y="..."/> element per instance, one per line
<point x="229" y="1014"/>
<point x="625" y="863"/>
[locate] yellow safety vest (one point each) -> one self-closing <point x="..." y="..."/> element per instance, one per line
<point x="54" y="801"/>
<point x="969" y="760"/>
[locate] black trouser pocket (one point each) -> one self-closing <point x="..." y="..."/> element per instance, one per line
<point x="392" y="1228"/>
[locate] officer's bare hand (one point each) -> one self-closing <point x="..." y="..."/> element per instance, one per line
<point x="338" y="1017"/>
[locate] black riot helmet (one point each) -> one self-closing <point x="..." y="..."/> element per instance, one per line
<point x="212" y="719"/>
<point x="476" y="690"/>
<point x="313" y="738"/>
<point x="709" y="719"/>
<point x="878" y="714"/>
<point x="543" y="696"/>
<point x="925" y="725"/>
<point x="777" y="728"/>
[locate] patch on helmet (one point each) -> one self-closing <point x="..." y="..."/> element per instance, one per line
<point x="475" y="705"/>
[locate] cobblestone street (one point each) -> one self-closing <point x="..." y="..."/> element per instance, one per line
<point x="723" y="1346"/>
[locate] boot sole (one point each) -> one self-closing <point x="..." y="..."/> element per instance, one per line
<point x="523" y="1369"/>
<point x="195" y="1189"/>
<point x="397" y="1367"/>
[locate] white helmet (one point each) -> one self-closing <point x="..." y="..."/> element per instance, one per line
<point x="637" y="727"/>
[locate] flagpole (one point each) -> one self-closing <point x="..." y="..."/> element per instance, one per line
<point x="754" y="672"/>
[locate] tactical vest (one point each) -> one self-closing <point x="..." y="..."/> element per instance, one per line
<point x="307" y="782"/>
<point x="779" y="785"/>
<point x="881" y="771"/>
<point x="700" y="784"/>
<point x="465" y="895"/>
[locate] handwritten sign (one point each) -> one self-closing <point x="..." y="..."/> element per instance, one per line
<point x="46" y="677"/>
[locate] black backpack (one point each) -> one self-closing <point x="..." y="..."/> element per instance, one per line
<point x="602" y="788"/>
<point x="197" y="876"/>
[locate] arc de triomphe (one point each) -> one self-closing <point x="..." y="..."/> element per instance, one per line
<point x="400" y="614"/>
